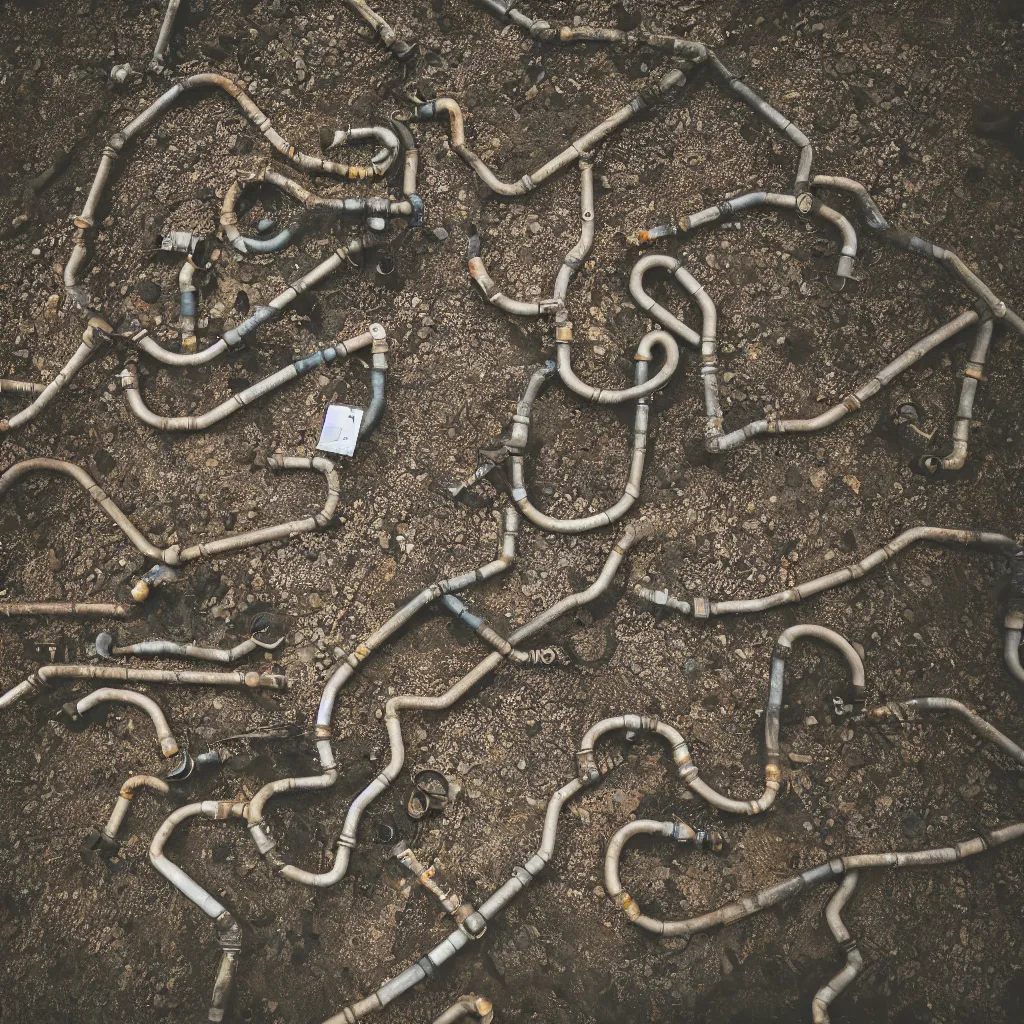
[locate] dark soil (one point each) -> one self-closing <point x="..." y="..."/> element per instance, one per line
<point x="887" y="92"/>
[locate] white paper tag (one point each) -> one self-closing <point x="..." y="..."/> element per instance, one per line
<point x="340" y="431"/>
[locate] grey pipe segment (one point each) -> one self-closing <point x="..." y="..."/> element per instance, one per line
<point x="375" y="336"/>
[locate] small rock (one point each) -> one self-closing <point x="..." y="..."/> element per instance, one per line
<point x="800" y="758"/>
<point x="149" y="291"/>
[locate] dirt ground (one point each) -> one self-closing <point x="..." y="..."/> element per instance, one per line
<point x="887" y="94"/>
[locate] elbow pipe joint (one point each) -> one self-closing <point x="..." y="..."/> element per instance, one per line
<point x="424" y="111"/>
<point x="586" y="767"/>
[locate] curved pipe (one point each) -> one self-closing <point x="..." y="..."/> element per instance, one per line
<point x="804" y="204"/>
<point x="175" y="555"/>
<point x="590" y="773"/>
<point x="576" y="149"/>
<point x="86" y="220"/>
<point x="410" y="168"/>
<point x="772" y="712"/>
<point x="973" y="376"/>
<point x="767" y="112"/>
<point x="660" y="339"/>
<point x="15" y="473"/>
<point x="129" y="378"/>
<point x="349" y="667"/>
<point x="854" y="960"/>
<point x="906" y="242"/>
<point x="124" y="801"/>
<point x="229" y="935"/>
<point x="371" y="207"/>
<point x="678" y="831"/>
<point x="572" y="262"/>
<point x="653" y="309"/>
<point x="476" y="1007"/>
<point x="282" y="531"/>
<point x="168" y="744"/>
<point x="783" y="891"/>
<point x="520" y="436"/>
<point x="141" y="339"/>
<point x="975" y="722"/>
<point x="382" y="159"/>
<point x="872" y="214"/>
<point x="720" y="442"/>
<point x="169" y="649"/>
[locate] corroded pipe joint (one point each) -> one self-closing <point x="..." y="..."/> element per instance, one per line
<point x="586" y="767"/>
<point x="627" y="905"/>
<point x="229" y="933"/>
<point x="710" y="840"/>
<point x="475" y="925"/>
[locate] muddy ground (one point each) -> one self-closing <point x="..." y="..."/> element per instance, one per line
<point x="887" y="92"/>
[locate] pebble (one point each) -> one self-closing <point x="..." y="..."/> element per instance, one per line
<point x="148" y="291"/>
